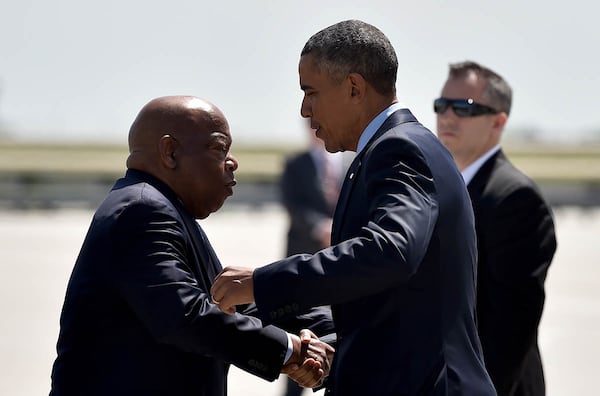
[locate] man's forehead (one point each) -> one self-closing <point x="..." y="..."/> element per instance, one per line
<point x="468" y="83"/>
<point x="311" y="75"/>
<point x="307" y="63"/>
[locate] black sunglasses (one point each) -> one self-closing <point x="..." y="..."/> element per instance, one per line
<point x="462" y="107"/>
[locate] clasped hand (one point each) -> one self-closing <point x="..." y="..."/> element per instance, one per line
<point x="310" y="361"/>
<point x="233" y="286"/>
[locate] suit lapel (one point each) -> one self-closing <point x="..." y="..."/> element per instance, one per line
<point x="206" y="265"/>
<point x="398" y="117"/>
<point x="340" y="209"/>
<point x="479" y="181"/>
<point x="213" y="263"/>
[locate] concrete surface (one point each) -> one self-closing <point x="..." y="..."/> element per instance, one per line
<point x="38" y="249"/>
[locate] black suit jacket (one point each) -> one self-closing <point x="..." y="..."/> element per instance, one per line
<point x="400" y="276"/>
<point x="516" y="243"/>
<point x="137" y="317"/>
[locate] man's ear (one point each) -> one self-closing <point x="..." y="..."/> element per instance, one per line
<point x="357" y="86"/>
<point x="500" y="120"/>
<point x="498" y="124"/>
<point x="167" y="145"/>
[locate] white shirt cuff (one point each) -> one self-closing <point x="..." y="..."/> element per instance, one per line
<point x="290" y="349"/>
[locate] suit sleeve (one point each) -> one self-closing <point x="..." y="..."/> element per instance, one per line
<point x="156" y="279"/>
<point x="518" y="244"/>
<point x="387" y="250"/>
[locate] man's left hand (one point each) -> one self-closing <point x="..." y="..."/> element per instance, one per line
<point x="233" y="286"/>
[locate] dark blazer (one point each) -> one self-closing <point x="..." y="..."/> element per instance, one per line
<point x="400" y="276"/>
<point x="304" y="199"/>
<point x="516" y="243"/>
<point x="137" y="317"/>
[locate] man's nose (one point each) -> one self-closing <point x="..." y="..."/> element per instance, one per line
<point x="305" y="109"/>
<point x="231" y="163"/>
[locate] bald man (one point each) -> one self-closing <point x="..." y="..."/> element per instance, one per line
<point x="137" y="318"/>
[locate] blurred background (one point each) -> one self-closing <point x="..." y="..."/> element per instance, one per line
<point x="73" y="75"/>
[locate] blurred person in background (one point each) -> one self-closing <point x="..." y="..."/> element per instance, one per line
<point x="310" y="185"/>
<point x="515" y="230"/>
<point x="137" y="317"/>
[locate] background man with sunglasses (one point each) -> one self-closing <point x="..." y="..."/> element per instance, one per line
<point x="515" y="230"/>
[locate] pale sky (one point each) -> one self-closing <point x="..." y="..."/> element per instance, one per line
<point x="73" y="70"/>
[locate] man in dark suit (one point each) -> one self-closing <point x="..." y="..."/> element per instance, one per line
<point x="400" y="274"/>
<point x="515" y="230"/>
<point x="137" y="317"/>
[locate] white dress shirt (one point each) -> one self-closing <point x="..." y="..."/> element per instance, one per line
<point x="469" y="172"/>
<point x="375" y="124"/>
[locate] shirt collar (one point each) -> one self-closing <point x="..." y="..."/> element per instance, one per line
<point x="376" y="124"/>
<point x="469" y="172"/>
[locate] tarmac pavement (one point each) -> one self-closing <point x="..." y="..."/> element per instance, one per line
<point x="38" y="249"/>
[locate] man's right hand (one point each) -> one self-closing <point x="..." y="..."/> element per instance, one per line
<point x="310" y="361"/>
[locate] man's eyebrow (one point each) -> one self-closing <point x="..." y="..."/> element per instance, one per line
<point x="304" y="87"/>
<point x="218" y="134"/>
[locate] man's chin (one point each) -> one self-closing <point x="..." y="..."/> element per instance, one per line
<point x="220" y="204"/>
<point x="329" y="147"/>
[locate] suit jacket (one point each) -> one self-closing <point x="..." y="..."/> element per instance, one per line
<point x="137" y="317"/>
<point x="516" y="243"/>
<point x="400" y="276"/>
<point x="305" y="202"/>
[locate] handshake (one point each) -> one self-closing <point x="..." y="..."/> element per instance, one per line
<point x="311" y="358"/>
<point x="310" y="361"/>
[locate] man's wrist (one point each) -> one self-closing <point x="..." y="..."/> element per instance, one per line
<point x="290" y="349"/>
<point x="294" y="350"/>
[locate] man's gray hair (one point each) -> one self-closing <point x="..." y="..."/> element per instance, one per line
<point x="355" y="47"/>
